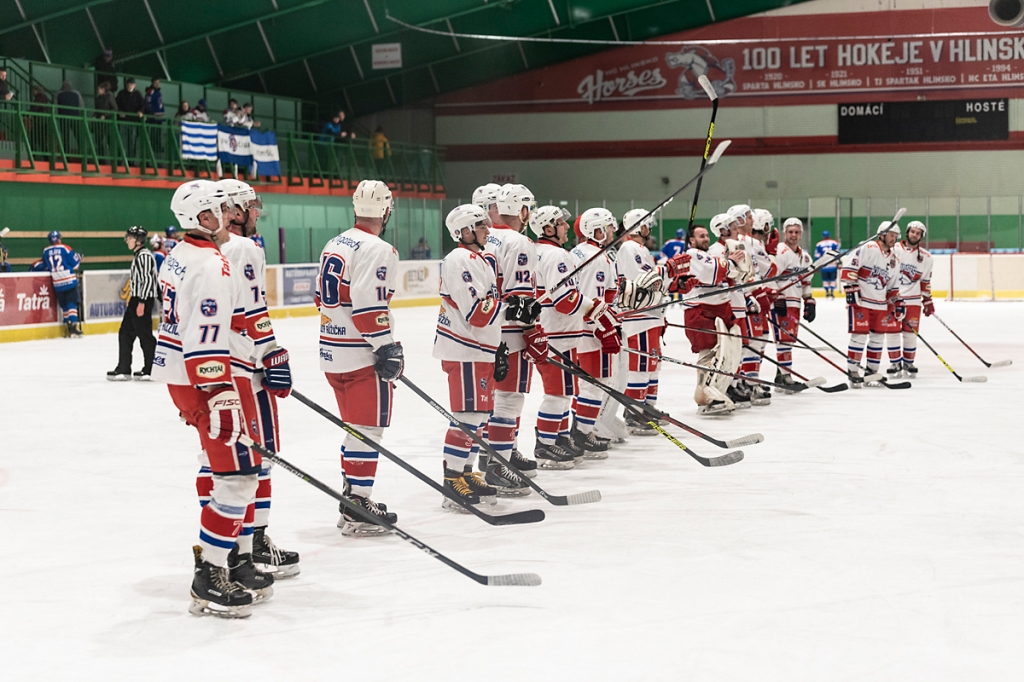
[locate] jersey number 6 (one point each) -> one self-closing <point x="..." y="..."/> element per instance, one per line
<point x="331" y="273"/>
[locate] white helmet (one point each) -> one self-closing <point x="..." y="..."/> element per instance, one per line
<point x="372" y="199"/>
<point x="792" y="221"/>
<point x="763" y="220"/>
<point x="637" y="216"/>
<point x="463" y="216"/>
<point x="156" y="242"/>
<point x="545" y="216"/>
<point x="512" y="198"/>
<point x="718" y="223"/>
<point x="919" y="225"/>
<point x="194" y="197"/>
<point x="737" y="212"/>
<point x="485" y="195"/>
<point x="241" y="193"/>
<point x="594" y="219"/>
<point x="884" y="227"/>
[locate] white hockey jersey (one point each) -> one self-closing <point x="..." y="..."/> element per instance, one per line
<point x="249" y="262"/>
<point x="202" y="326"/>
<point x="915" y="280"/>
<point x="597" y="280"/>
<point x="737" y="300"/>
<point x="711" y="273"/>
<point x="514" y="258"/>
<point x="790" y="262"/>
<point x="471" y="315"/>
<point x="876" y="273"/>
<point x="562" y="310"/>
<point x="354" y="289"/>
<point x="632" y="261"/>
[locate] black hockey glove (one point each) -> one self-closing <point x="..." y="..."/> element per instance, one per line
<point x="522" y="309"/>
<point x="780" y="307"/>
<point x="389" y="362"/>
<point x="810" y="308"/>
<point x="501" y="362"/>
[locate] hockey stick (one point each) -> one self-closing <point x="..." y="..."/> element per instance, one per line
<point x="647" y="412"/>
<point x="529" y="516"/>
<point x="719" y="150"/>
<point x="979" y="379"/>
<point x="742" y="337"/>
<point x="1001" y="363"/>
<point x="796" y="388"/>
<point x="710" y="90"/>
<point x="825" y="389"/>
<point x="517" y="579"/>
<point x="558" y="500"/>
<point x="876" y="377"/>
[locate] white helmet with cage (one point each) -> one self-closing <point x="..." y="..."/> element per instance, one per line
<point x="463" y="216"/>
<point x="919" y="225"/>
<point x="737" y="212"/>
<point x="372" y="199"/>
<point x="512" y="199"/>
<point x="486" y="196"/>
<point x="545" y="216"/>
<point x="194" y="197"/>
<point x="884" y="228"/>
<point x="637" y="216"/>
<point x="718" y="223"/>
<point x="594" y="219"/>
<point x="763" y="220"/>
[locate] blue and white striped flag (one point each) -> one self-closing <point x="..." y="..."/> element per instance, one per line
<point x="233" y="145"/>
<point x="265" y="157"/>
<point x="199" y="140"/>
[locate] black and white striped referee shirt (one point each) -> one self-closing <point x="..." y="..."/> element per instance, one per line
<point x="142" y="278"/>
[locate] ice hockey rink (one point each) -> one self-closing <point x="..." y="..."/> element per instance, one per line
<point x="873" y="535"/>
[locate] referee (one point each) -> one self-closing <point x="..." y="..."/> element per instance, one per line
<point x="142" y="292"/>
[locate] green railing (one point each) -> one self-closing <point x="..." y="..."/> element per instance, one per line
<point x="101" y="142"/>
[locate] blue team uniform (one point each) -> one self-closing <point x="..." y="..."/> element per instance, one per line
<point x="159" y="257"/>
<point x="673" y="247"/>
<point x="828" y="273"/>
<point x="258" y="239"/>
<point x="170" y="243"/>
<point x="62" y="262"/>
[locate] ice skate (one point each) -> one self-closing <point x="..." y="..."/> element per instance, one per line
<point x="589" y="441"/>
<point x="141" y="375"/>
<point x="856" y="380"/>
<point x="740" y="395"/>
<point x="639" y="428"/>
<point x="784" y="382"/>
<point x="909" y="370"/>
<point x="488" y="495"/>
<point x="213" y="592"/>
<point x="119" y="375"/>
<point x="526" y="466"/>
<point x="355" y="526"/>
<point x="242" y="571"/>
<point x="716" y="407"/>
<point x="569" y="444"/>
<point x="552" y="457"/>
<point x="895" y="371"/>
<point x="505" y="481"/>
<point x="873" y="379"/>
<point x="760" y="395"/>
<point x="455" y="483"/>
<point x="269" y="558"/>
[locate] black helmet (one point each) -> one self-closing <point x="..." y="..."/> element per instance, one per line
<point x="138" y="232"/>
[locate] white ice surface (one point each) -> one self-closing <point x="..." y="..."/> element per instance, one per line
<point x="874" y="535"/>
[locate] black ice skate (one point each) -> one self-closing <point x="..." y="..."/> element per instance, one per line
<point x="739" y="395"/>
<point x="141" y="375"/>
<point x="716" y="407"/>
<point x="487" y="494"/>
<point x="213" y="592"/>
<point x="856" y="380"/>
<point x="269" y="558"/>
<point x="639" y="426"/>
<point x="760" y="395"/>
<point x="569" y="444"/>
<point x="119" y="375"/>
<point x="456" y="485"/>
<point x="526" y="466"/>
<point x="505" y="481"/>
<point x="552" y="456"/>
<point x="593" y="448"/>
<point x="784" y="382"/>
<point x="243" y="572"/>
<point x="895" y="371"/>
<point x="352" y="525"/>
<point x="909" y="371"/>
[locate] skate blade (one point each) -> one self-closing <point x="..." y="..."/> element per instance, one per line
<point x="762" y="402"/>
<point x="360" y="529"/>
<point x="281" y="571"/>
<point x="453" y="507"/>
<point x="532" y="473"/>
<point x="121" y="377"/>
<point x="142" y="378"/>
<point x="513" y="492"/>
<point x="596" y="454"/>
<point x="202" y="607"/>
<point x="488" y="500"/>
<point x="261" y="595"/>
<point x="555" y="466"/>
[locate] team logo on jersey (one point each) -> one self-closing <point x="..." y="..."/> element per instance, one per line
<point x="254" y="427"/>
<point x="472" y="292"/>
<point x="263" y="324"/>
<point x="562" y="268"/>
<point x="208" y="307"/>
<point x="250" y="274"/>
<point x="211" y="369"/>
<point x="483" y="383"/>
<point x="521" y="259"/>
<point x="638" y="260"/>
<point x="382" y="273"/>
<point x="860" y="315"/>
<point x="600" y="277"/>
<point x="466" y="277"/>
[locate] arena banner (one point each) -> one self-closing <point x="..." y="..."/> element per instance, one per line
<point x="102" y="293"/>
<point x="298" y="284"/>
<point x="418" y="279"/>
<point x="769" y="60"/>
<point x="26" y="299"/>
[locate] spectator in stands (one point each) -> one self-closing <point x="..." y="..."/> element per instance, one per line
<point x="245" y="117"/>
<point x="130" y="100"/>
<point x="421" y="251"/>
<point x="182" y="112"/>
<point x="232" y="113"/>
<point x="106" y="72"/>
<point x="104" y="101"/>
<point x="69" y="99"/>
<point x="39" y="98"/>
<point x="345" y="133"/>
<point x="332" y="130"/>
<point x="5" y="265"/>
<point x="379" y="145"/>
<point x="5" y="87"/>
<point x="198" y="113"/>
<point x="145" y="100"/>
<point x="156" y="103"/>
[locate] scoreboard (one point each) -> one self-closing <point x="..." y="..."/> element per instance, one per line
<point x="928" y="121"/>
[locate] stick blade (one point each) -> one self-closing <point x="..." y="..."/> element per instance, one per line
<point x="815" y="382"/>
<point x="752" y="439"/>
<point x="528" y="516"/>
<point x="899" y="385"/>
<point x="725" y="460"/>
<point x="708" y="88"/>
<point x="980" y="379"/>
<point x="514" y="580"/>
<point x="719" y="150"/>
<point x="583" y="498"/>
<point x="899" y="214"/>
<point x="834" y="389"/>
<point x="1002" y="363"/>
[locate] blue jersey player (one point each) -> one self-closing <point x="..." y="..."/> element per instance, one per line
<point x="828" y="273"/>
<point x="674" y="247"/>
<point x="62" y="262"/>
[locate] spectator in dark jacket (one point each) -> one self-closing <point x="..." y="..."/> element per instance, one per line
<point x="69" y="97"/>
<point x="104" y="102"/>
<point x="5" y="87"/>
<point x="106" y="71"/>
<point x="156" y="103"/>
<point x="331" y="130"/>
<point x="130" y="100"/>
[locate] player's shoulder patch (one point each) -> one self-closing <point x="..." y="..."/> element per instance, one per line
<point x="522" y="259"/>
<point x="382" y="273"/>
<point x="466" y="277"/>
<point x="563" y="268"/>
<point x="638" y="259"/>
<point x="250" y="272"/>
<point x="208" y="307"/>
<point x="600" y="275"/>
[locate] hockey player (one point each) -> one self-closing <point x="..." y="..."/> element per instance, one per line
<point x="915" y="282"/>
<point x="261" y="378"/>
<point x="514" y="258"/>
<point x="565" y="312"/>
<point x="358" y="352"/>
<point x="674" y="247"/>
<point x="758" y="303"/>
<point x="63" y="263"/>
<point x="156" y="245"/>
<point x="201" y="332"/>
<point x="874" y="307"/>
<point x="642" y="330"/>
<point x="793" y="293"/>
<point x="597" y="350"/>
<point x="826" y="246"/>
<point x="468" y="344"/>
<point x="486" y="197"/>
<point x="170" y="238"/>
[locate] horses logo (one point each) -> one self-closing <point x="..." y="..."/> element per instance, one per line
<point x="696" y="62"/>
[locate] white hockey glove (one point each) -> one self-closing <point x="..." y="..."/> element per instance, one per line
<point x="641" y="292"/>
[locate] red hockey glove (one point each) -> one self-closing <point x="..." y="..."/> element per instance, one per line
<point x="678" y="265"/>
<point x="928" y="306"/>
<point x="683" y="285"/>
<point x="225" y="415"/>
<point x="536" y="344"/>
<point x="278" y="373"/>
<point x="608" y="334"/>
<point x="772" y="245"/>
